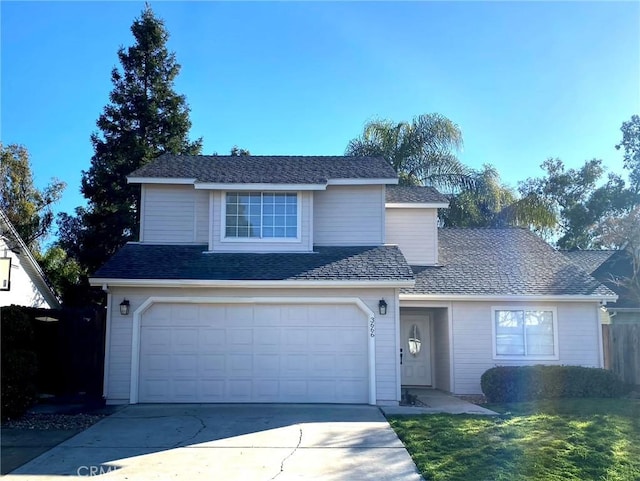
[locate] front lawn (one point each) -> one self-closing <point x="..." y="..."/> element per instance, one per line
<point x="559" y="440"/>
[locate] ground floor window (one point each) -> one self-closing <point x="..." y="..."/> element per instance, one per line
<point x="525" y="333"/>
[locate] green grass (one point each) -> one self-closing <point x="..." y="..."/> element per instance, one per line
<point x="558" y="440"/>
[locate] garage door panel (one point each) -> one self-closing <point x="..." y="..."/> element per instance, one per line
<point x="350" y="365"/>
<point x="185" y="390"/>
<point x="211" y="365"/>
<point x="266" y="338"/>
<point x="213" y="389"/>
<point x="184" y="340"/>
<point x="184" y="312"/>
<point x="239" y="315"/>
<point x="266" y="365"/>
<point x="271" y="353"/>
<point x="294" y="364"/>
<point x="211" y="338"/>
<point x="240" y="389"/>
<point x="322" y="365"/>
<point x="157" y="363"/>
<point x="156" y="390"/>
<point x="295" y="339"/>
<point x="158" y="339"/>
<point x="240" y="365"/>
<point x="239" y="338"/>
<point x="185" y="365"/>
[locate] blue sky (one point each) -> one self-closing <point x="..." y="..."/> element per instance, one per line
<point x="525" y="81"/>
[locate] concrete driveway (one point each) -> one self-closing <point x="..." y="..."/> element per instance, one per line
<point x="231" y="442"/>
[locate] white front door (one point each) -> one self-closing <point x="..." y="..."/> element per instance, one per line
<point x="415" y="345"/>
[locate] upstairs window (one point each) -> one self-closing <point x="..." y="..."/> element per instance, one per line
<point x="525" y="333"/>
<point x="261" y="215"/>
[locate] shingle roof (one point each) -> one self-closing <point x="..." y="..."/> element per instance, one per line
<point x="402" y="194"/>
<point x="144" y="261"/>
<point x="588" y="260"/>
<point x="266" y="169"/>
<point x="607" y="266"/>
<point x="498" y="262"/>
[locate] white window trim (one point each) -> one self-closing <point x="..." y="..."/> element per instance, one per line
<point x="498" y="357"/>
<point x="260" y="240"/>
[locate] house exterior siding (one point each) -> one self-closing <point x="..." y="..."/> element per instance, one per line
<point x="578" y="339"/>
<point x="174" y="214"/>
<point x="119" y="343"/>
<point x="349" y="215"/>
<point x="415" y="231"/>
<point x="23" y="291"/>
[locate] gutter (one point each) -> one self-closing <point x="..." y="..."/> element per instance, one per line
<point x="602" y="299"/>
<point x="99" y="281"/>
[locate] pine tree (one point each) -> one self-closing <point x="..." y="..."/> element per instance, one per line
<point x="144" y="118"/>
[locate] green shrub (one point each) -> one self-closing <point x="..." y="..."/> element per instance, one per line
<point x="529" y="383"/>
<point x="19" y="362"/>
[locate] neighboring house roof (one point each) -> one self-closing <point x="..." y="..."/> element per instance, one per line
<point x="271" y="169"/>
<point x="588" y="260"/>
<point x="27" y="261"/>
<point x="404" y="194"/>
<point x="502" y="262"/>
<point x="608" y="267"/>
<point x="180" y="262"/>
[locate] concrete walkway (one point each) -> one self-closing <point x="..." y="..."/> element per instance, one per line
<point x="231" y="442"/>
<point x="431" y="401"/>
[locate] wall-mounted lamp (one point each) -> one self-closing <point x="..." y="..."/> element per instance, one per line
<point x="382" y="307"/>
<point x="124" y="308"/>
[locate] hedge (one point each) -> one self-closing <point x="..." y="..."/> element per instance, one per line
<point x="19" y="362"/>
<point x="530" y="383"/>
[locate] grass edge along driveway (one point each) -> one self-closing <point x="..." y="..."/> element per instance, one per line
<point x="554" y="440"/>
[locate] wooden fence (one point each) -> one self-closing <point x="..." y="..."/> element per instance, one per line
<point x="69" y="344"/>
<point x="622" y="350"/>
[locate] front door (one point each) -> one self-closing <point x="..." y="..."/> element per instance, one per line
<point x="415" y="345"/>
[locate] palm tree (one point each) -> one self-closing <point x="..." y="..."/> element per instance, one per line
<point x="422" y="151"/>
<point x="489" y="203"/>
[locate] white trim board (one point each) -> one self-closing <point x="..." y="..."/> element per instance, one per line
<point x="416" y="205"/>
<point x="96" y="281"/>
<point x="411" y="299"/>
<point x="159" y="180"/>
<point x="137" y="317"/>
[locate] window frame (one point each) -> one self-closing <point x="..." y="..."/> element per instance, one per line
<point x="537" y="357"/>
<point x="223" y="219"/>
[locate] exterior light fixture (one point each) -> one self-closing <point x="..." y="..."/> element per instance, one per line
<point x="124" y="308"/>
<point x="382" y="307"/>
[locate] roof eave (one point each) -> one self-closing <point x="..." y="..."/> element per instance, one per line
<point x="120" y="282"/>
<point x="258" y="185"/>
<point x="416" y="205"/>
<point x="525" y="298"/>
<point x="160" y="180"/>
<point x="31" y="266"/>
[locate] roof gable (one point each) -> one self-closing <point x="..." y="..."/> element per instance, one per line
<point x="27" y="261"/>
<point x="273" y="169"/>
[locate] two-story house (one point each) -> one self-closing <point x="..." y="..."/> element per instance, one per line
<point x="318" y="279"/>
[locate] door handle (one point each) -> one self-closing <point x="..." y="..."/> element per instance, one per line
<point x="401" y="356"/>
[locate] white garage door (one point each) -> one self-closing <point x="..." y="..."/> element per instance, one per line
<point x="253" y="353"/>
